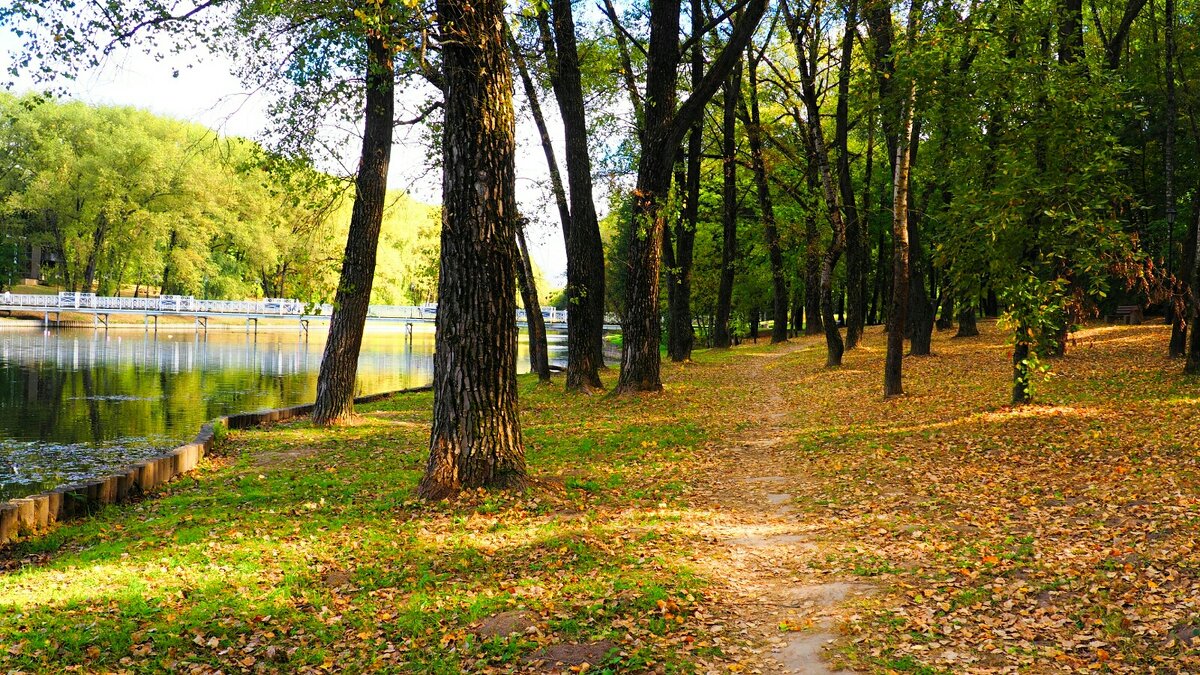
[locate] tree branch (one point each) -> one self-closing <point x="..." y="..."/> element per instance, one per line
<point x="691" y="109"/>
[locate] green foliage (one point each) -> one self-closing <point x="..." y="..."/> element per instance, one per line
<point x="129" y="202"/>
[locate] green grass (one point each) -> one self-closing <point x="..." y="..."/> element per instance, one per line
<point x="303" y="548"/>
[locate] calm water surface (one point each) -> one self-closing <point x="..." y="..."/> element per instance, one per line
<point x="79" y="403"/>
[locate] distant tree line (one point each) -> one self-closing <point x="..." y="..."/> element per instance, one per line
<point x="118" y="200"/>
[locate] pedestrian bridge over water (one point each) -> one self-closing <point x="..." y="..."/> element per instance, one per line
<point x="102" y="308"/>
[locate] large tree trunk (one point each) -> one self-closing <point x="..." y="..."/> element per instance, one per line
<point x="539" y="352"/>
<point x="664" y="130"/>
<point x="766" y="209"/>
<point x="732" y="89"/>
<point x="476" y="437"/>
<point x="893" y="376"/>
<point x="335" y="383"/>
<point x="585" y="251"/>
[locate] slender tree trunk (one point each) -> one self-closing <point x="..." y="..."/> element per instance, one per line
<point x="945" y="320"/>
<point x="1180" y="327"/>
<point x="335" y="382"/>
<point x="537" y="327"/>
<point x="732" y="89"/>
<point x="1192" y="366"/>
<point x="539" y="352"/>
<point x="856" y="248"/>
<point x="585" y="251"/>
<point x="878" y="288"/>
<point x="89" y="272"/>
<point x="872" y="314"/>
<point x="834" y="346"/>
<point x="921" y="309"/>
<point x="476" y="437"/>
<point x="635" y="96"/>
<point x="766" y="209"/>
<point x="812" y="263"/>
<point x="539" y="120"/>
<point x="754" y="319"/>
<point x="680" y="334"/>
<point x="893" y="376"/>
<point x="797" y="318"/>
<point x="166" y="277"/>
<point x="665" y="128"/>
<point x="1021" y="393"/>
<point x="1179" y="324"/>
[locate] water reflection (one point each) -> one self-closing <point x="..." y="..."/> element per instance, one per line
<point x="75" y="404"/>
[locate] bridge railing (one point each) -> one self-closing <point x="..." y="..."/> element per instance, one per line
<point x="90" y="302"/>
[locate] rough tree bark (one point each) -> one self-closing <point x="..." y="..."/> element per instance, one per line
<point x="539" y="352"/>
<point x="665" y="127"/>
<point x="476" y="437"/>
<point x="335" y="382"/>
<point x="732" y="91"/>
<point x="585" y="251"/>
<point x="779" y="289"/>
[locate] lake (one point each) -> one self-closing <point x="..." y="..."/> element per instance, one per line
<point x="76" y="404"/>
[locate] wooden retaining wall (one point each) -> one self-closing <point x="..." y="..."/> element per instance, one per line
<point x="27" y="516"/>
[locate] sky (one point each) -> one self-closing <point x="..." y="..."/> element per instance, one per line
<point x="206" y="92"/>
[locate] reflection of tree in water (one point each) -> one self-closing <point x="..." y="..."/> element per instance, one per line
<point x="99" y="397"/>
<point x="93" y="405"/>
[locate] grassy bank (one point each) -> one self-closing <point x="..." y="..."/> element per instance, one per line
<point x="304" y="549"/>
<point x="1055" y="537"/>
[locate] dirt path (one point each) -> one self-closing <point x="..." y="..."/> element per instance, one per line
<point x="779" y="605"/>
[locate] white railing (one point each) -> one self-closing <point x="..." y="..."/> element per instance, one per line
<point x="92" y="303"/>
<point x="165" y="303"/>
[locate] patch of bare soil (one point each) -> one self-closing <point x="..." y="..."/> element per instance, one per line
<point x="505" y="624"/>
<point x="570" y="657"/>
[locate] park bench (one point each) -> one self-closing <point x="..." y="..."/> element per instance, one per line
<point x="1129" y="314"/>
